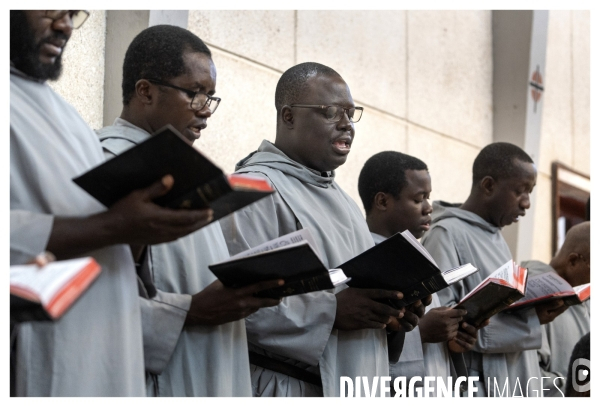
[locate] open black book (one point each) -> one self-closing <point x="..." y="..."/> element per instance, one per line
<point x="198" y="182"/>
<point x="290" y="257"/>
<point x="548" y="287"/>
<point x="401" y="263"/>
<point x="495" y="293"/>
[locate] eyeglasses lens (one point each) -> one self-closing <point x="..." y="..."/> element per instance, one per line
<point x="78" y="17"/>
<point x="335" y="114"/>
<point x="201" y="101"/>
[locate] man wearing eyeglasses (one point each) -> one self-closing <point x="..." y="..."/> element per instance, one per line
<point x="194" y="333"/>
<point x="96" y="348"/>
<point x="303" y="346"/>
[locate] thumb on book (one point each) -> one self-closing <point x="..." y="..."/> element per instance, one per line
<point x="160" y="187"/>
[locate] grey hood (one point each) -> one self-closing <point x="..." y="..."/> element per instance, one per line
<point x="270" y="156"/>
<point x="444" y="210"/>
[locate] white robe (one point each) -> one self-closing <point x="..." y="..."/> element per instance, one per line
<point x="95" y="349"/>
<point x="506" y="348"/>
<point x="196" y="361"/>
<point x="559" y="338"/>
<point x="300" y="330"/>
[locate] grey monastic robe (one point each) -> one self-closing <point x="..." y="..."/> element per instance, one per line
<point x="506" y="347"/>
<point x="95" y="349"/>
<point x="300" y="330"/>
<point x="559" y="337"/>
<point x="417" y="358"/>
<point x="184" y="361"/>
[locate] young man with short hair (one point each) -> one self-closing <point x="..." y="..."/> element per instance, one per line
<point x="194" y="333"/>
<point x="395" y="188"/>
<point x="503" y="178"/>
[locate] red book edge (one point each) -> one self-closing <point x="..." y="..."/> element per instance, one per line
<point x="244" y="182"/>
<point x="73" y="289"/>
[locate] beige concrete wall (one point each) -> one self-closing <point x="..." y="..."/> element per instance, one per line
<point x="450" y="74"/>
<point x="565" y="134"/>
<point x="424" y="78"/>
<point x="82" y="80"/>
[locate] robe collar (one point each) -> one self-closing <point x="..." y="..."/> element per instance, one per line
<point x="270" y="156"/>
<point x="444" y="210"/>
<point x="128" y="131"/>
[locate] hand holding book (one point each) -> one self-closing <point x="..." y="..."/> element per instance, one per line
<point x="547" y="311"/>
<point x="466" y="337"/>
<point x="401" y="263"/>
<point x="440" y="324"/>
<point x="198" y="183"/>
<point x="292" y="257"/>
<point x="362" y="309"/>
<point x="217" y="304"/>
<point x="495" y="293"/>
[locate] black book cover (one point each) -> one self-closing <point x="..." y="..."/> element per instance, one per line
<point x="23" y="310"/>
<point x="488" y="301"/>
<point x="395" y="264"/>
<point x="198" y="182"/>
<point x="298" y="265"/>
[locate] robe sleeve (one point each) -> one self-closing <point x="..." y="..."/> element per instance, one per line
<point x="29" y="234"/>
<point x="298" y="320"/>
<point x="440" y="245"/>
<point x="508" y="333"/>
<point x="163" y="317"/>
<point x="411" y="361"/>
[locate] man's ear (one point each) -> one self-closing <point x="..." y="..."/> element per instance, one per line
<point x="573" y="258"/>
<point x="287" y="116"/>
<point x="144" y="91"/>
<point x="487" y="185"/>
<point x="381" y="201"/>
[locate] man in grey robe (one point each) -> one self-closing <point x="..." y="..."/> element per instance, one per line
<point x="95" y="348"/>
<point x="572" y="262"/>
<point x="394" y="189"/>
<point x="505" y="352"/>
<point x="194" y="334"/>
<point x="321" y="335"/>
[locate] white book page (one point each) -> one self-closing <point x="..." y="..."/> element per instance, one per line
<point x="294" y="238"/>
<point x="417" y="245"/>
<point x="48" y="280"/>
<point x="501" y="273"/>
<point x="504" y="272"/>
<point x="544" y="285"/>
<point x="583" y="288"/>
<point x="580" y="288"/>
<point x="337" y="277"/>
<point x="458" y="273"/>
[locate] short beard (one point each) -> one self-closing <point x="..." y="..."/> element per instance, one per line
<point x="25" y="53"/>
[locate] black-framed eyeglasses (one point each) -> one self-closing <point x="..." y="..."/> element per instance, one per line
<point x="199" y="100"/>
<point x="78" y="17"/>
<point x="335" y="113"/>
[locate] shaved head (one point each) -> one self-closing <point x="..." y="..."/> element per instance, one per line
<point x="577" y="240"/>
<point x="572" y="262"/>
